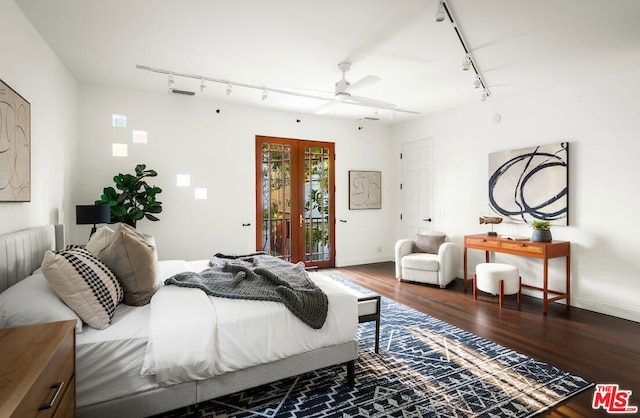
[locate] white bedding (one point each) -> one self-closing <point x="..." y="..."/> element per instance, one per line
<point x="108" y="362"/>
<point x="193" y="336"/>
<point x="230" y="335"/>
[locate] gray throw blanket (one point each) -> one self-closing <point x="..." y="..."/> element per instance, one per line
<point x="261" y="277"/>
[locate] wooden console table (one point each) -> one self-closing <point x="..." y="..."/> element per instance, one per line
<point x="541" y="250"/>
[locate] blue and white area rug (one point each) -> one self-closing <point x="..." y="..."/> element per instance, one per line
<point x="425" y="368"/>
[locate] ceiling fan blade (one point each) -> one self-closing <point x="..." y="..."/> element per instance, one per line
<point x="309" y="92"/>
<point x="373" y="102"/>
<point x="326" y="108"/>
<point x="363" y="83"/>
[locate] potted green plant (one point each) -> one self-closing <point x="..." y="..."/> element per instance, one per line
<point x="135" y="199"/>
<point x="541" y="231"/>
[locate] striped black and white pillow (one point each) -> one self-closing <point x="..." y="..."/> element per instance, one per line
<point x="84" y="283"/>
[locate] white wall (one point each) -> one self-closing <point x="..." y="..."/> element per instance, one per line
<point x="600" y="122"/>
<point x="186" y="135"/>
<point x="29" y="66"/>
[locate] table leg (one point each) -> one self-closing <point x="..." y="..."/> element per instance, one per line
<point x="464" y="278"/>
<point x="568" y="278"/>
<point x="545" y="285"/>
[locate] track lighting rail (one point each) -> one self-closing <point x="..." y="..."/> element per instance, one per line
<point x="442" y="7"/>
<point x="263" y="89"/>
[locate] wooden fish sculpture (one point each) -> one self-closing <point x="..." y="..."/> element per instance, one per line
<point x="490" y="220"/>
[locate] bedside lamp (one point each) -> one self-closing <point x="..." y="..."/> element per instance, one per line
<point x="490" y="220"/>
<point x="92" y="214"/>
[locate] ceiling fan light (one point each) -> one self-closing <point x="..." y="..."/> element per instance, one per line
<point x="341" y="96"/>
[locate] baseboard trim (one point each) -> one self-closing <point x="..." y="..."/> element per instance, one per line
<point x="606" y="308"/>
<point x="595" y="305"/>
<point x="357" y="261"/>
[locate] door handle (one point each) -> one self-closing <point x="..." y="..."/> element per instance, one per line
<point x="427" y="219"/>
<point x="301" y="221"/>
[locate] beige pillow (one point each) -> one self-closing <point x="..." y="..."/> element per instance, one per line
<point x="84" y="283"/>
<point x="429" y="242"/>
<point x="99" y="240"/>
<point x="134" y="262"/>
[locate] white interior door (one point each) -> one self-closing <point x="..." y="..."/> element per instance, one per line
<point x="416" y="193"/>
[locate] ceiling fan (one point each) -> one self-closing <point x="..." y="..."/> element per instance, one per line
<point x="343" y="91"/>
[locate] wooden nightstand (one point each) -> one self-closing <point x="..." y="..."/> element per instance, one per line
<point x="37" y="370"/>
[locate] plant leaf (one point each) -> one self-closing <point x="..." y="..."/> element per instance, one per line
<point x="134" y="199"/>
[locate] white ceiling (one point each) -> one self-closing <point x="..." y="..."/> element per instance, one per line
<point x="519" y="46"/>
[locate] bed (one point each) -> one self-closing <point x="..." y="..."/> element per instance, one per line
<point x="109" y="362"/>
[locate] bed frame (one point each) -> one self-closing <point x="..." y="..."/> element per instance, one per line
<point x="22" y="252"/>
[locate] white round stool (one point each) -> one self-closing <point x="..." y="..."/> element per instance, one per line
<point x="497" y="279"/>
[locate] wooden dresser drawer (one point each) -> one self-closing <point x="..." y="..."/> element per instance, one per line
<point x="37" y="369"/>
<point x="481" y="242"/>
<point x="54" y="381"/>
<point x="527" y="248"/>
<point x="67" y="406"/>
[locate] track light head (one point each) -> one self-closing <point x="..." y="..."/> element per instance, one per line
<point x="485" y="95"/>
<point x="203" y="86"/>
<point x="264" y="95"/>
<point x="229" y="89"/>
<point x="478" y="82"/>
<point x="171" y="81"/>
<point x="440" y="12"/>
<point x="466" y="62"/>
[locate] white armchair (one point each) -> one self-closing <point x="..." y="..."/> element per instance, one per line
<point x="427" y="259"/>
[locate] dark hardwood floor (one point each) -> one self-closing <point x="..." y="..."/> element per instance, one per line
<point x="600" y="348"/>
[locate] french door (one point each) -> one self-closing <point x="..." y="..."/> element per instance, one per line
<point x="295" y="206"/>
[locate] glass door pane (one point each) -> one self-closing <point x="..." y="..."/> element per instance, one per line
<point x="276" y="200"/>
<point x="317" y="230"/>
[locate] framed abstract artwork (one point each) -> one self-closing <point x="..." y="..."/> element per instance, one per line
<point x="15" y="146"/>
<point x="365" y="191"/>
<point x="531" y="184"/>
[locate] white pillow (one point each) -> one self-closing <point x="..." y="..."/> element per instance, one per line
<point x="168" y="268"/>
<point x="99" y="240"/>
<point x="33" y="301"/>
